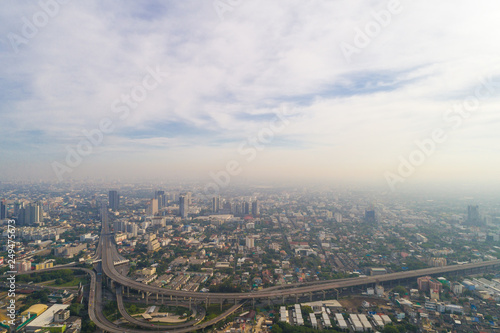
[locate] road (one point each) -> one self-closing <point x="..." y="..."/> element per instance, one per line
<point x="110" y="271"/>
<point x="198" y="313"/>
<point x="108" y="253"/>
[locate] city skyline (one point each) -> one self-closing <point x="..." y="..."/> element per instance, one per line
<point x="330" y="98"/>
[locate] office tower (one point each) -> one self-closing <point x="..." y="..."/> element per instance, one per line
<point x="255" y="208"/>
<point x="246" y="208"/>
<point x="160" y="196"/>
<point x="134" y="229"/>
<point x="120" y="226"/>
<point x="370" y="216"/>
<point x="37" y="212"/>
<point x="236" y="209"/>
<point x="31" y="214"/>
<point x="226" y="207"/>
<point x="153" y="207"/>
<point x="114" y="200"/>
<point x="184" y="205"/>
<point x="3" y="210"/>
<point x="473" y="217"/>
<point x="17" y="208"/>
<point x="215" y="204"/>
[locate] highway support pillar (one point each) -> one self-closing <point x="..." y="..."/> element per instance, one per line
<point x="283" y="300"/>
<point x="147" y="298"/>
<point x="311" y="297"/>
<point x="162" y="300"/>
<point x="269" y="301"/>
<point x="189" y="303"/>
<point x="324" y="295"/>
<point x="253" y="302"/>
<point x="128" y="291"/>
<point x="156" y="296"/>
<point x="170" y="297"/>
<point x="296" y="298"/>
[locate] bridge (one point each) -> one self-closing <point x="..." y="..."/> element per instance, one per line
<point x="306" y="288"/>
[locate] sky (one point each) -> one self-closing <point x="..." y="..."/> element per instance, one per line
<point x="390" y="92"/>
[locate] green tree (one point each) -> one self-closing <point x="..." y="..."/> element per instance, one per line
<point x="390" y="329"/>
<point x="400" y="290"/>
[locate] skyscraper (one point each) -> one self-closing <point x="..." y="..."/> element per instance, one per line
<point x="160" y="196"/>
<point x="114" y="200"/>
<point x="184" y="205"/>
<point x="370" y="216"/>
<point x="37" y="212"/>
<point x="255" y="208"/>
<point x="31" y="214"/>
<point x="153" y="207"/>
<point x="246" y="208"/>
<point x="3" y="210"/>
<point x="473" y="217"/>
<point x="17" y="208"/>
<point x="215" y="204"/>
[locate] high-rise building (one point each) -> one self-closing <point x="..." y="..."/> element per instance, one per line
<point x="134" y="229"/>
<point x="114" y="200"/>
<point x="473" y="216"/>
<point x="246" y="208"/>
<point x="153" y="207"/>
<point x="236" y="209"/>
<point x="184" y="205"/>
<point x="120" y="226"/>
<point x="17" y="208"/>
<point x="226" y="208"/>
<point x="3" y="210"/>
<point x="255" y="208"/>
<point x="215" y="204"/>
<point x="250" y="242"/>
<point x="31" y="214"/>
<point x="338" y="217"/>
<point x="160" y="196"/>
<point x="37" y="212"/>
<point x="370" y="216"/>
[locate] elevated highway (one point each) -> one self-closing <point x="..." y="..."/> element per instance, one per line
<point x="198" y="313"/>
<point x="110" y="271"/>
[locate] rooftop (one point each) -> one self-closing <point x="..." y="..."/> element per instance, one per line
<point x="48" y="316"/>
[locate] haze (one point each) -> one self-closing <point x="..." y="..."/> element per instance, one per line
<point x="215" y="76"/>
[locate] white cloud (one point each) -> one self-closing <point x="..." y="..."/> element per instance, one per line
<point x="368" y="111"/>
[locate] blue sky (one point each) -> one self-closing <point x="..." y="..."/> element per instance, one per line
<point x="228" y="74"/>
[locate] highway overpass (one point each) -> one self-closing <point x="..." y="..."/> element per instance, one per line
<point x="110" y="271"/>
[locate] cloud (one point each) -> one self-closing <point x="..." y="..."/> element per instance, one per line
<point x="227" y="78"/>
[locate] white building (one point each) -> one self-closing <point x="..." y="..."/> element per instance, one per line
<point x="250" y="242"/>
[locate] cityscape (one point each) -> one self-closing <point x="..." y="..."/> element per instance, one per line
<point x="236" y="166"/>
<point x="270" y="258"/>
